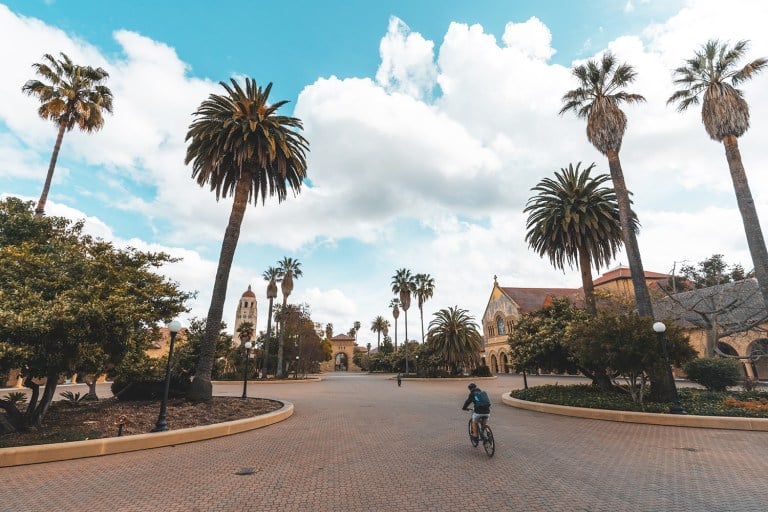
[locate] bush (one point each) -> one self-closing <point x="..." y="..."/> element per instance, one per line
<point x="715" y="374"/>
<point x="482" y="371"/>
<point x="136" y="390"/>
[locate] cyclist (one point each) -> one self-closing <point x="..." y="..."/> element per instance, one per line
<point x="482" y="407"/>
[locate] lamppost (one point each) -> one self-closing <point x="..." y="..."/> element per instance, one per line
<point x="162" y="425"/>
<point x="247" y="348"/>
<point x="417" y="364"/>
<point x="296" y="369"/>
<point x="660" y="328"/>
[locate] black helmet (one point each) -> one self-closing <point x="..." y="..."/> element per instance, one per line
<point x="472" y="386"/>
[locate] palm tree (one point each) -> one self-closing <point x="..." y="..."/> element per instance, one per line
<point x="454" y="336"/>
<point x="404" y="285"/>
<point x="288" y="268"/>
<point x="597" y="100"/>
<point x="394" y="303"/>
<point x="328" y="331"/>
<point x="725" y="115"/>
<point x="356" y="327"/>
<point x="573" y="219"/>
<point x="425" y="288"/>
<point x="71" y="95"/>
<point x="378" y="326"/>
<point x="239" y="146"/>
<point x="271" y="275"/>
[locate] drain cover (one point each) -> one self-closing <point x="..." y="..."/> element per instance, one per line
<point x="245" y="471"/>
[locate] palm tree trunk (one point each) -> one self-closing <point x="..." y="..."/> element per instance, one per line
<point x="201" y="388"/>
<point x="421" y="314"/>
<point x="406" y="340"/>
<point x="40" y="210"/>
<point x="378" y="340"/>
<point x="642" y="297"/>
<point x="749" y="218"/>
<point x="265" y="364"/>
<point x="585" y="265"/>
<point x="395" y="334"/>
<point x="281" y="345"/>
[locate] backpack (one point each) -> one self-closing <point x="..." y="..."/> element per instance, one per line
<point x="482" y="400"/>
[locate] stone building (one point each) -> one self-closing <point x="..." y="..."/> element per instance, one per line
<point x="247" y="311"/>
<point x="344" y="348"/>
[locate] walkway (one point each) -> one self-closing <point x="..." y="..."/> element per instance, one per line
<point x="359" y="443"/>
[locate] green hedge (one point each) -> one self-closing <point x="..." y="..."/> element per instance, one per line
<point x="714" y="373"/>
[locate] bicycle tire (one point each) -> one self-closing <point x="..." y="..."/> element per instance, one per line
<point x="489" y="445"/>
<point x="469" y="432"/>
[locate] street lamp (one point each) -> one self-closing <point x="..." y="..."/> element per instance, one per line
<point x="417" y="365"/>
<point x="296" y="369"/>
<point x="247" y="346"/>
<point x="162" y="425"/>
<point x="660" y="328"/>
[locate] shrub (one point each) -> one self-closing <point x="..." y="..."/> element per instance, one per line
<point x="482" y="371"/>
<point x="16" y="397"/>
<point x="135" y="390"/>
<point x="715" y="374"/>
<point x="72" y="399"/>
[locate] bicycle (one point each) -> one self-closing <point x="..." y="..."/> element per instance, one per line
<point x="485" y="434"/>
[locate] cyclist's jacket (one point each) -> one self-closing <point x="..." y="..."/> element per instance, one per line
<point x="480" y="399"/>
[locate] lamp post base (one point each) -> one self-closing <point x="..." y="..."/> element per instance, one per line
<point x="677" y="409"/>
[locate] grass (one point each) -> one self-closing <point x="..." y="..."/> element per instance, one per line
<point x="746" y="404"/>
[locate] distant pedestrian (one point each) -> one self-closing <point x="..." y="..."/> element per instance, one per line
<point x="399" y="379"/>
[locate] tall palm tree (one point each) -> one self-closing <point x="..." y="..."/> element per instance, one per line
<point x="378" y="326"/>
<point x="356" y="327"/>
<point x="425" y="288"/>
<point x="404" y="285"/>
<point x="394" y="304"/>
<point x="725" y="115"/>
<point x="239" y="146"/>
<point x="453" y="334"/>
<point x="271" y="275"/>
<point x="288" y="269"/>
<point x="574" y="220"/>
<point x="71" y="95"/>
<point x="597" y="100"/>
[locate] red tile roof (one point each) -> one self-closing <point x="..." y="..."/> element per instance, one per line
<point x="624" y="273"/>
<point x="533" y="299"/>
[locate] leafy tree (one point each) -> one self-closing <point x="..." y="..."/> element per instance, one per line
<point x="70" y="302"/>
<point x="624" y="345"/>
<point x="187" y="350"/>
<point x="575" y="221"/>
<point x="725" y="115"/>
<point x="239" y="146"/>
<point x="424" y="289"/>
<point x="288" y="268"/>
<point x="70" y="95"/>
<point x="712" y="271"/>
<point x="597" y="100"/>
<point x="328" y="331"/>
<point x="454" y="336"/>
<point x="536" y="340"/>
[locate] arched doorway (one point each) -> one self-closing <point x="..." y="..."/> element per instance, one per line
<point x="494" y="364"/>
<point x="340" y="362"/>
<point x="727" y="349"/>
<point x="758" y="355"/>
<point x="504" y="363"/>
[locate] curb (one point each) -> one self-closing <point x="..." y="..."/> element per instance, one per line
<point x="647" y="418"/>
<point x="271" y="381"/>
<point x="21" y="455"/>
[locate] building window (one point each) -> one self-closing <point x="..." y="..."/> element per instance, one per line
<point x="500" y="326"/>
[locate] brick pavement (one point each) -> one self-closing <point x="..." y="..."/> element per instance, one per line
<point x="360" y="443"/>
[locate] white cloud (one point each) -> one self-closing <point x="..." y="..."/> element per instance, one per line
<point x="407" y="61"/>
<point x="532" y="38"/>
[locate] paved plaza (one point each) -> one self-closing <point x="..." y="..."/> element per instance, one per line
<point x="358" y="442"/>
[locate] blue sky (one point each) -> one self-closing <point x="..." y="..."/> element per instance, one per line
<point x="429" y="121"/>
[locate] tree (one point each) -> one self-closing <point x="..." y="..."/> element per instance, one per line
<point x="394" y="303"/>
<point x="378" y="326"/>
<point x="328" y="331"/>
<point x="453" y="334"/>
<point x="574" y="220"/>
<point x="239" y="146"/>
<point x="424" y="289"/>
<point x="271" y="275"/>
<point x="725" y="115"/>
<point x="70" y="95"/>
<point x="403" y="284"/>
<point x="712" y="271"/>
<point x="597" y="100"/>
<point x="70" y="302"/>
<point x="288" y="268"/>
<point x="355" y="328"/>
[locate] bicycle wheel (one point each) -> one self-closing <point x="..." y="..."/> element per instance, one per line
<point x="488" y="444"/>
<point x="469" y="432"/>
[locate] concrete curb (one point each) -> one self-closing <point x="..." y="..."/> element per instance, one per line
<point x="21" y="455"/>
<point x="271" y="381"/>
<point x="442" y="379"/>
<point x="673" y="420"/>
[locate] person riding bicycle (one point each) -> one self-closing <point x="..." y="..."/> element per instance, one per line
<point x="482" y="406"/>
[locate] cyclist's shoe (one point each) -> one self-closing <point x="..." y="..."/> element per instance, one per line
<point x="475" y="441"/>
